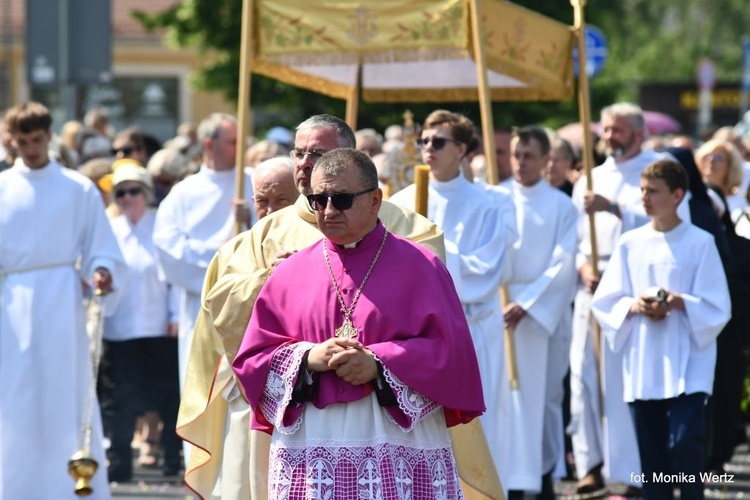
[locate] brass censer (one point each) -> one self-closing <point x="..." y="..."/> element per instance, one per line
<point x="82" y="467"/>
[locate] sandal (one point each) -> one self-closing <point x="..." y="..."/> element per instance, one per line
<point x="150" y="454"/>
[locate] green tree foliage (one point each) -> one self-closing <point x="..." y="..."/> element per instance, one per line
<point x="648" y="40"/>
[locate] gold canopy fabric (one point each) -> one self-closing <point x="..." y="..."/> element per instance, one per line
<point x="418" y="50"/>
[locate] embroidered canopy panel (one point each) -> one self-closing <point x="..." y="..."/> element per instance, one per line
<point x="419" y="50"/>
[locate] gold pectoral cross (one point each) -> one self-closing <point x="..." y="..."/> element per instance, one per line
<point x="347" y="330"/>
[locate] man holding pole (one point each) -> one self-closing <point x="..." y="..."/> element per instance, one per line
<point x="604" y="442"/>
<point x="541" y="287"/>
<point x="197" y="217"/>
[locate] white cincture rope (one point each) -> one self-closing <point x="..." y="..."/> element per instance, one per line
<point x="33" y="267"/>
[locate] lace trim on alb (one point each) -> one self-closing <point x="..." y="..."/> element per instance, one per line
<point x="384" y="471"/>
<point x="413" y="404"/>
<point x="277" y="393"/>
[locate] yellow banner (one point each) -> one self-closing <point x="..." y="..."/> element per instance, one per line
<point x="529" y="47"/>
<point x="305" y="31"/>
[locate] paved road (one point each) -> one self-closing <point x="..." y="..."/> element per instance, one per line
<point x="150" y="484"/>
<point x="736" y="483"/>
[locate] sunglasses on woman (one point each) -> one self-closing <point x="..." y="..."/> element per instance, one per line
<point x="341" y="201"/>
<point x="437" y="142"/>
<point x="134" y="191"/>
<point x="125" y="150"/>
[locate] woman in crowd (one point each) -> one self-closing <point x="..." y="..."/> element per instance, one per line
<point x="140" y="346"/>
<point x="720" y="164"/>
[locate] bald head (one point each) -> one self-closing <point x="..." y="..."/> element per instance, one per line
<point x="273" y="183"/>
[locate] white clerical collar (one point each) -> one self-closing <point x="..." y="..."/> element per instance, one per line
<point x="645" y="156"/>
<point x="529" y="190"/>
<point x="34" y="172"/>
<point x="454" y="183"/>
<point x="219" y="174"/>
<point x="355" y="243"/>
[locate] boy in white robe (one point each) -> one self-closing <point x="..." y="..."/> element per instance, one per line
<point x="663" y="301"/>
<point x="601" y="430"/>
<point x="541" y="286"/>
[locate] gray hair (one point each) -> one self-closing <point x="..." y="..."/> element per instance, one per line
<point x="334" y="162"/>
<point x="276" y="164"/>
<point x="210" y="126"/>
<point x="631" y="112"/>
<point x="369" y="132"/>
<point x="344" y="133"/>
<point x="394" y="133"/>
<point x="169" y="162"/>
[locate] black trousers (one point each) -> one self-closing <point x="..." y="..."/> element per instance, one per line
<point x="671" y="437"/>
<point x="136" y="376"/>
<point x="724" y="417"/>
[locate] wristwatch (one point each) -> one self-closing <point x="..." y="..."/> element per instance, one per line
<point x="613" y="208"/>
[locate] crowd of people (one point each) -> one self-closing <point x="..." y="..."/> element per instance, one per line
<point x="316" y="337"/>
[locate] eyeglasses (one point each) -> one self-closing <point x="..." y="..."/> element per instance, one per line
<point x="341" y="201"/>
<point x="134" y="191"/>
<point x="314" y="154"/>
<point x="125" y="150"/>
<point x="438" y="143"/>
<point x="715" y="156"/>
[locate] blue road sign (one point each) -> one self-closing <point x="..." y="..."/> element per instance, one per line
<point x="596" y="51"/>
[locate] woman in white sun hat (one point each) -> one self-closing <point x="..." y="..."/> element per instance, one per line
<point x="140" y="337"/>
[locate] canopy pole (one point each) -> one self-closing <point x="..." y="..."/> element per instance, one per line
<point x="244" y="127"/>
<point x="488" y="138"/>
<point x="485" y="103"/>
<point x="352" y="99"/>
<point x="584" y="110"/>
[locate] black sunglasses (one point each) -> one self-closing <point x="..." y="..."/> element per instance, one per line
<point x="437" y="142"/>
<point x="134" y="191"/>
<point x="341" y="201"/>
<point x="125" y="150"/>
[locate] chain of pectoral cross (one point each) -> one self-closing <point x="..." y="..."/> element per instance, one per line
<point x="347" y="330"/>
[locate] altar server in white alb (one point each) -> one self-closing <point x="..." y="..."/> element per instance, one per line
<point x="475" y="232"/>
<point x="541" y="287"/>
<point x="605" y="448"/>
<point x="663" y="301"/>
<point x="55" y="242"/>
<point x="197" y="217"/>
